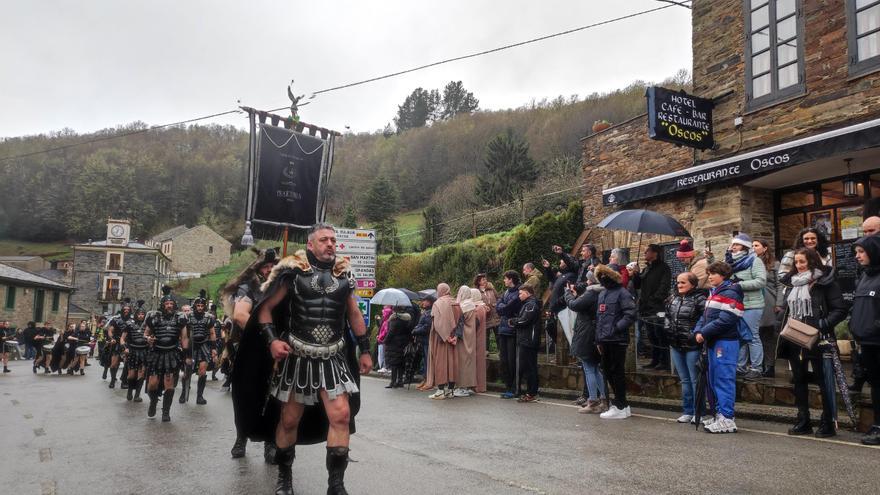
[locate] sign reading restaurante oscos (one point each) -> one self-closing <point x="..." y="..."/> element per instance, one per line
<point x="679" y="118"/>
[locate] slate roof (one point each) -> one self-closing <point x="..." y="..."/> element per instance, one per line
<point x="170" y="233"/>
<point x="22" y="277"/>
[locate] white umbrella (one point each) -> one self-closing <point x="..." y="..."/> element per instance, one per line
<point x="391" y="297"/>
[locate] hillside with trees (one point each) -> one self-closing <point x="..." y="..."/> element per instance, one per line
<point x="469" y="170"/>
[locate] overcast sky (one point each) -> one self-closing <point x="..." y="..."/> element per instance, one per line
<point x="93" y="64"/>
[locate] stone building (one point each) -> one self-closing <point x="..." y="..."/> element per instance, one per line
<point x="193" y="251"/>
<point x="27" y="297"/>
<point x="796" y="93"/>
<point x="106" y="272"/>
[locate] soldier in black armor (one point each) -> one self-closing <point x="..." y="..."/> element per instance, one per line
<point x="201" y="327"/>
<point x="304" y="321"/>
<point x="214" y="365"/>
<point x="135" y="344"/>
<point x="166" y="335"/>
<point x="113" y="349"/>
<point x="240" y="296"/>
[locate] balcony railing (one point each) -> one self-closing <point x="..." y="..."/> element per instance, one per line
<point x="110" y="295"/>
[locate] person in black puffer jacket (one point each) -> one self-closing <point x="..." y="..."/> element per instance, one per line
<point x="400" y="326"/>
<point x="864" y="325"/>
<point x="683" y="311"/>
<point x="813" y="297"/>
<point x="615" y="313"/>
<point x="528" y="337"/>
<point x="583" y="347"/>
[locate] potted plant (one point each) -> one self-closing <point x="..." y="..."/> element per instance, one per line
<point x="601" y="125"/>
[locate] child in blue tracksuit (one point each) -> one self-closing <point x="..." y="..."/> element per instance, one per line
<point x="718" y="328"/>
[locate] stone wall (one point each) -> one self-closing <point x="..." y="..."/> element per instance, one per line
<point x="199" y="250"/>
<point x="24" y="306"/>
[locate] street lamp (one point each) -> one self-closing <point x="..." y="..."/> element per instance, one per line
<point x="247" y="240"/>
<point x="850" y="185"/>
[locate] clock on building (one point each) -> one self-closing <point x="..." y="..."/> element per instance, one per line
<point x="117" y="231"/>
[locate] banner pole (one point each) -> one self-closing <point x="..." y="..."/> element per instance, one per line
<point x="284" y="246"/>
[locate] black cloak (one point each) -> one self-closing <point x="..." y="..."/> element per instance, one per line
<point x="256" y="412"/>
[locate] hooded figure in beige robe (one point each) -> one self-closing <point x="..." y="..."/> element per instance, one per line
<point x="442" y="359"/>
<point x="466" y="348"/>
<point x="481" y="313"/>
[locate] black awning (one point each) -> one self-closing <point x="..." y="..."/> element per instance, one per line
<point x="831" y="143"/>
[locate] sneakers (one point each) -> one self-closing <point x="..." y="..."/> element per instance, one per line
<point x="527" y="398"/>
<point x="438" y="395"/>
<point x="614" y="413"/>
<point x="872" y="437"/>
<point x="722" y="425"/>
<point x="684" y="418"/>
<point x="590" y="407"/>
<point x="507" y="395"/>
<point x="461" y="392"/>
<point x="581" y="401"/>
<point x="708" y="420"/>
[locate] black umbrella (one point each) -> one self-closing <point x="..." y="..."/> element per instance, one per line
<point x="839" y="378"/>
<point x="644" y="222"/>
<point x="410" y="294"/>
<point x="702" y="382"/>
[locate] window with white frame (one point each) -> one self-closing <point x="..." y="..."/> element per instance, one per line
<point x="114" y="261"/>
<point x="863" y="35"/>
<point x="774" y="51"/>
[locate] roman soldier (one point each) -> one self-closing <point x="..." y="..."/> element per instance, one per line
<point x="201" y="326"/>
<point x="304" y="334"/>
<point x="113" y="349"/>
<point x="240" y="296"/>
<point x="135" y="344"/>
<point x="214" y="366"/>
<point x="166" y="335"/>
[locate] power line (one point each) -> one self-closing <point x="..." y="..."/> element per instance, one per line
<point x="372" y="79"/>
<point x="494" y="50"/>
<point x="116" y="136"/>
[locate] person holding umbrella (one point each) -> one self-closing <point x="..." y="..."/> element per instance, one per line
<point x="812" y="296"/>
<point x="396" y="339"/>
<point x="863" y="324"/>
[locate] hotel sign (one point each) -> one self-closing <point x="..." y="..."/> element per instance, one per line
<point x="679" y="118"/>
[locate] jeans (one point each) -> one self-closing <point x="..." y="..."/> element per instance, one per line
<point x="594" y="380"/>
<point x="686" y="366"/>
<point x="507" y="354"/>
<point x="613" y="365"/>
<point x="29" y="351"/>
<point x="425" y="353"/>
<point x="753" y="351"/>
<point x="722" y="375"/>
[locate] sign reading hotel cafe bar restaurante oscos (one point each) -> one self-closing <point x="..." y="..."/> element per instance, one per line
<point x="679" y="118"/>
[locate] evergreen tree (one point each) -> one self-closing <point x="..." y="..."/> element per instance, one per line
<point x="387" y="240"/>
<point x="457" y="100"/>
<point x="417" y="110"/>
<point x="508" y="170"/>
<point x="349" y="220"/>
<point x="381" y="200"/>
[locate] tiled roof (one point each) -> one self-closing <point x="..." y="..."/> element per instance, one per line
<point x="12" y="274"/>
<point x="130" y="245"/>
<point x="17" y="258"/>
<point x="168" y="234"/>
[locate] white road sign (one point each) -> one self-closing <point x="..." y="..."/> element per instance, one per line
<point x="359" y="246"/>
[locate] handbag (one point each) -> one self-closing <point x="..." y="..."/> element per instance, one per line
<point x="800" y="333"/>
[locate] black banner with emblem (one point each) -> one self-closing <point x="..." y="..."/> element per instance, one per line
<point x="679" y="118"/>
<point x="289" y="175"/>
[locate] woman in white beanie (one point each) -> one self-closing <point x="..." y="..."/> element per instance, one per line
<point x="750" y="274"/>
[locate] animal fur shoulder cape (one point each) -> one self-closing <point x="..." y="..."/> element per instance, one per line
<point x="256" y="412"/>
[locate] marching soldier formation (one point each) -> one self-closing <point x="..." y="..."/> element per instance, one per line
<point x="300" y="345"/>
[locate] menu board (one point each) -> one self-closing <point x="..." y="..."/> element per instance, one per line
<point x="847" y="268"/>
<point x="675" y="265"/>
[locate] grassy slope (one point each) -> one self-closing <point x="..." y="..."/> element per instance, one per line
<point x="409" y="225"/>
<point x="49" y="250"/>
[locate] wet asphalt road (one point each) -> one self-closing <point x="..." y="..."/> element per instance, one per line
<point x="73" y="435"/>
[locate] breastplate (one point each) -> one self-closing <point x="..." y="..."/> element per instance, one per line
<point x="167" y="330"/>
<point x="318" y="302"/>
<point x="200" y="328"/>
<point x="135" y="337"/>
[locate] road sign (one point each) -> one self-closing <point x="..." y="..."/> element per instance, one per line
<point x="361" y="259"/>
<point x="366" y="283"/>
<point x="365" y="292"/>
<point x="359" y="246"/>
<point x="364" y="306"/>
<point x="363" y="272"/>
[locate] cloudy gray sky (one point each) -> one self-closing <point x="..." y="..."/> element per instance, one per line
<point x="92" y="64"/>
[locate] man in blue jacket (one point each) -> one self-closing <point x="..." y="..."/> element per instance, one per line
<point x="718" y="329"/>
<point x="508" y="306"/>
